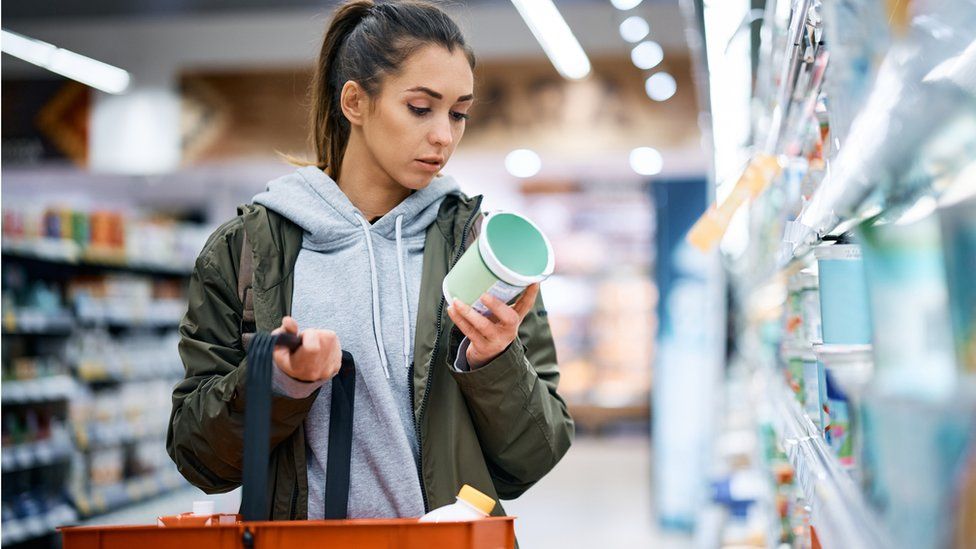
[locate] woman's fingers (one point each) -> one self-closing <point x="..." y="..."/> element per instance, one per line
<point x="482" y="324"/>
<point x="468" y="329"/>
<point x="506" y="315"/>
<point x="526" y="301"/>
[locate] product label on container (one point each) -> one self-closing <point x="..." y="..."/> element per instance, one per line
<point x="502" y="291"/>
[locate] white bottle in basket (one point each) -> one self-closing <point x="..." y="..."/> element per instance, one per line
<point x="470" y="505"/>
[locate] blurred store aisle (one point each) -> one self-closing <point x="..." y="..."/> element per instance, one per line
<point x="599" y="495"/>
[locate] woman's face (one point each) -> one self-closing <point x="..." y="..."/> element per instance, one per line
<point x="418" y="118"/>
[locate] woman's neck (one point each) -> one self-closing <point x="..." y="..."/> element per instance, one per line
<point x="366" y="184"/>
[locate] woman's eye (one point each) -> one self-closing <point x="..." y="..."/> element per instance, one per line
<point x="419" y="111"/>
<point x="459" y="116"/>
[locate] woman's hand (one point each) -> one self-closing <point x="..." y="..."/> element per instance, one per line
<point x="489" y="337"/>
<point x="319" y="357"/>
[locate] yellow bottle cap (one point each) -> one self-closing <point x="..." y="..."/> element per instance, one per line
<point x="476" y="499"/>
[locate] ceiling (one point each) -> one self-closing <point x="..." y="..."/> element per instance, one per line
<point x="62" y="9"/>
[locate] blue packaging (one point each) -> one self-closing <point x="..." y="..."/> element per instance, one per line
<point x="845" y="315"/>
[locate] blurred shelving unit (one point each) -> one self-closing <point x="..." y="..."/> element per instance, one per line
<point x="860" y="140"/>
<point x="89" y="360"/>
<point x="601" y="298"/>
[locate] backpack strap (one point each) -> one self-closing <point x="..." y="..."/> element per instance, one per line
<point x="245" y="291"/>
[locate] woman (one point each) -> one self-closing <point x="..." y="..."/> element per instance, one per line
<point x="354" y="249"/>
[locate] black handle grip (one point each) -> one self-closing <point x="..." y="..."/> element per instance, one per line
<point x="289" y="340"/>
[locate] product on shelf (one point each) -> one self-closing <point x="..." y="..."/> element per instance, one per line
<point x="102" y="236"/>
<point x="99" y="356"/>
<point x="127" y="300"/>
<point x="845" y="317"/>
<point x="803" y="308"/>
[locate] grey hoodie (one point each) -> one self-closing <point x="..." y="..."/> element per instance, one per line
<point x="363" y="282"/>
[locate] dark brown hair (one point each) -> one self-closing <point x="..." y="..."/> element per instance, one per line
<point x="365" y="42"/>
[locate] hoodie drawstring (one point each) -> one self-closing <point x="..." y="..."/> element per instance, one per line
<point x="374" y="286"/>
<point x="403" y="293"/>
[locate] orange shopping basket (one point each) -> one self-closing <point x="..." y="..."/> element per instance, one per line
<point x="489" y="533"/>
<point x="255" y="532"/>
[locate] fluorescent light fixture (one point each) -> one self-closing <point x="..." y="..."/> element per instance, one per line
<point x="523" y="163"/>
<point x="647" y="55"/>
<point x="661" y="86"/>
<point x="624" y="5"/>
<point x="646" y="161"/>
<point x="86" y="70"/>
<point x="634" y="29"/>
<point x="555" y="37"/>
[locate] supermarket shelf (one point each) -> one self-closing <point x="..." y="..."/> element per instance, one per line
<point x="26" y="529"/>
<point x="30" y="323"/>
<point x="95" y="372"/>
<point x="128" y="492"/>
<point x="66" y="252"/>
<point x="592" y="417"/>
<point x="130" y="322"/>
<point x="45" y="389"/>
<point x="96" y="435"/>
<point x="35" y="454"/>
<point x="839" y="512"/>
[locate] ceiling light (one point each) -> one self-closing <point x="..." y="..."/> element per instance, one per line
<point x="661" y="86"/>
<point x="555" y="37"/>
<point x="86" y="70"/>
<point x="647" y="55"/>
<point x="523" y="163"/>
<point x="634" y="29"/>
<point x="624" y="5"/>
<point x="646" y="161"/>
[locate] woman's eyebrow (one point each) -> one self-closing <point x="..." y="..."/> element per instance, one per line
<point x="437" y="95"/>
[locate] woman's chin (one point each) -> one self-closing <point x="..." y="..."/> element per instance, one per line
<point x="416" y="182"/>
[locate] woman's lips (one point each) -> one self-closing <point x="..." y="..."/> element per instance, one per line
<point x="428" y="166"/>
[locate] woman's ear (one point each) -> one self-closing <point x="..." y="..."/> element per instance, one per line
<point x="354" y="102"/>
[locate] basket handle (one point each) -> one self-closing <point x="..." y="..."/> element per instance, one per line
<point x="257" y="428"/>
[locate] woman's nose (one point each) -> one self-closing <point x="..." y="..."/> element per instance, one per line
<point x="441" y="134"/>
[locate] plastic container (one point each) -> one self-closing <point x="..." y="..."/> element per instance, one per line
<point x="847" y="372"/>
<point x="804" y="307"/>
<point x="838" y="429"/>
<point x="511" y="253"/>
<point x="843" y="295"/>
<point x="851" y="366"/>
<point x="470" y="505"/>
<point x="803" y="378"/>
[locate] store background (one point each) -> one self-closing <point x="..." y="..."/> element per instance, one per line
<point x="672" y="360"/>
<point x="217" y="90"/>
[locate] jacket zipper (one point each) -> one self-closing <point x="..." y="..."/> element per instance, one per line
<point x="430" y="366"/>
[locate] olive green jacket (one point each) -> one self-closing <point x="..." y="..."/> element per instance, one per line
<point x="499" y="428"/>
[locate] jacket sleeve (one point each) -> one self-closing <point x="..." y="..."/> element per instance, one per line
<point x="205" y="436"/>
<point x="523" y="424"/>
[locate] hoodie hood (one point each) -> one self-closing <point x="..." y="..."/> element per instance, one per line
<point x="313" y="201"/>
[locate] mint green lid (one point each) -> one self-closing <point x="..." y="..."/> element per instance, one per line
<point x="518" y="244"/>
